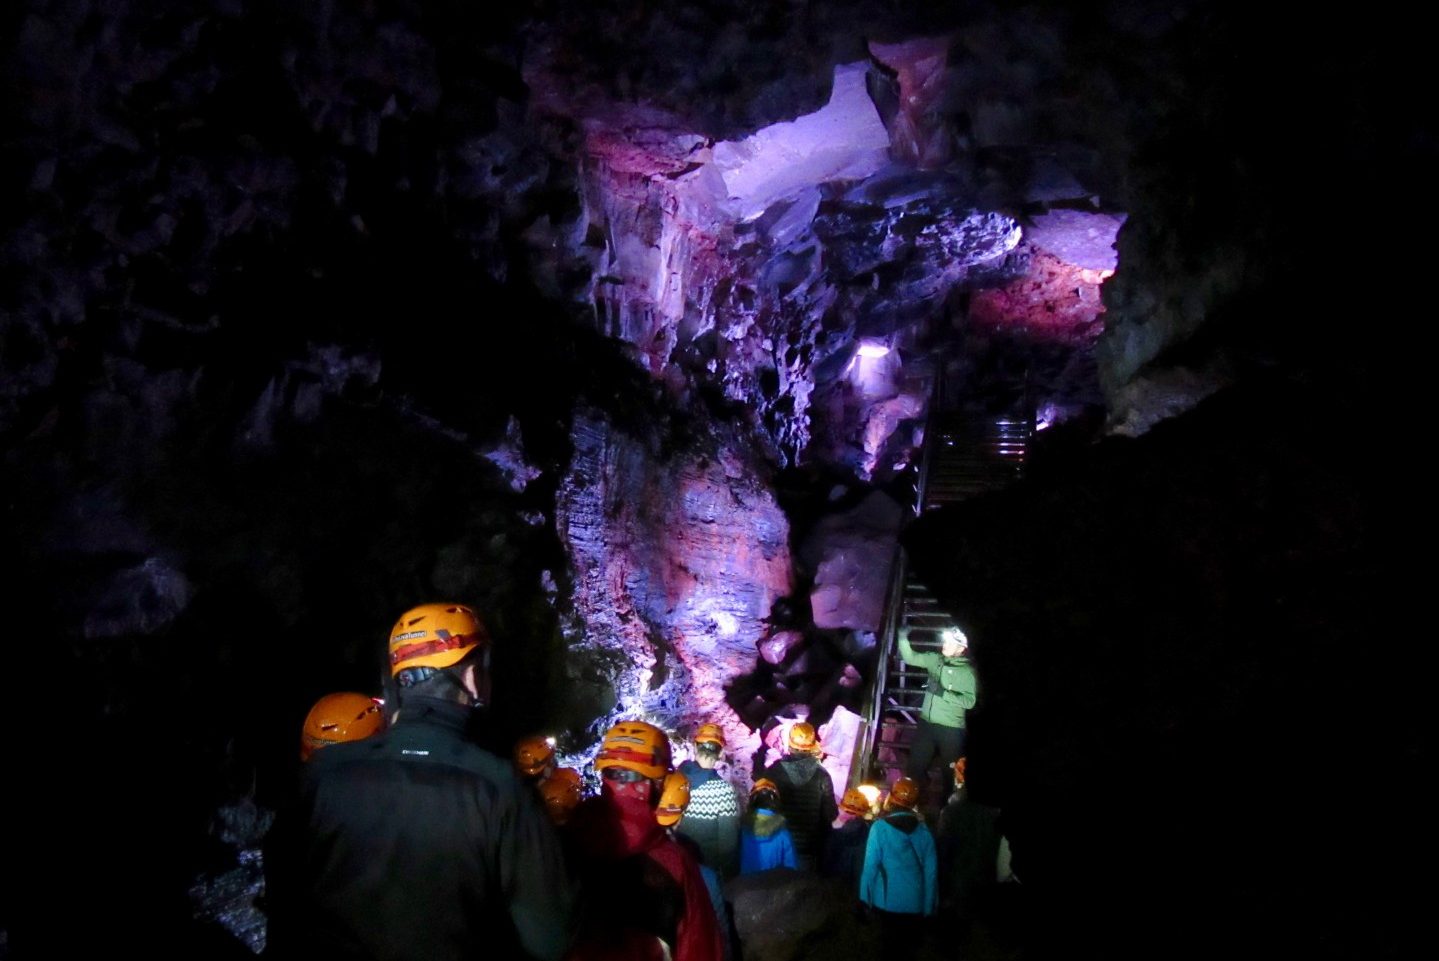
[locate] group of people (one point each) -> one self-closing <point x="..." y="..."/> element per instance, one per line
<point x="408" y="840"/>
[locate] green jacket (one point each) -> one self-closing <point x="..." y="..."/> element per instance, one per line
<point x="952" y="685"/>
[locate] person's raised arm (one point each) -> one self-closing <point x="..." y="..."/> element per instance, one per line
<point x="910" y="656"/>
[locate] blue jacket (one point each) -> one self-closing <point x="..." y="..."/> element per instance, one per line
<point x="722" y="919"/>
<point x="900" y="868"/>
<point x="764" y="843"/>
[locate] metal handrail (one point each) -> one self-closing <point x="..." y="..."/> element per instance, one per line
<point x="894" y="597"/>
<point x="864" y="746"/>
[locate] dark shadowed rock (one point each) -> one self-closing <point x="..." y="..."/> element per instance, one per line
<point x="785" y="915"/>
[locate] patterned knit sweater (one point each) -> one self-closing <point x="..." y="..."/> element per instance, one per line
<point x="712" y="818"/>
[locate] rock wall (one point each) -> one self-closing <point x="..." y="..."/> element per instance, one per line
<point x="677" y="555"/>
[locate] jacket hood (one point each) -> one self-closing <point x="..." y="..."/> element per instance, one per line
<point x="698" y="775"/>
<point x="906" y="821"/>
<point x="800" y="767"/>
<point x="611" y="827"/>
<point x="767" y="823"/>
<point x="434" y="710"/>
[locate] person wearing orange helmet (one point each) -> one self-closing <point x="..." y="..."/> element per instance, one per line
<point x="844" y="849"/>
<point x="644" y="894"/>
<point x="337" y="718"/>
<point x="712" y="819"/>
<point x="765" y="838"/>
<point x="414" y="842"/>
<point x="969" y="845"/>
<point x="675" y="799"/>
<point x="561" y="793"/>
<point x="535" y="757"/>
<point x="899" y="876"/>
<point x="806" y="793"/>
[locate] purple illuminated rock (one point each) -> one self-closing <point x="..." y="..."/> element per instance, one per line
<point x="843" y="141"/>
<point x="509" y="456"/>
<point x="753" y="266"/>
<point x="676" y="561"/>
<point x="852" y="553"/>
<point x="777" y="646"/>
<point x="1077" y="237"/>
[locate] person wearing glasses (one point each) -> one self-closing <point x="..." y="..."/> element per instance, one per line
<point x="643" y="894"/>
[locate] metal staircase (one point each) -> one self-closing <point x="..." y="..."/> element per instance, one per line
<point x="964" y="455"/>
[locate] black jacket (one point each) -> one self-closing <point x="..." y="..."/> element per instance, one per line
<point x="968" y="840"/>
<point x="806" y="795"/>
<point x="416" y="844"/>
<point x="844" y="852"/>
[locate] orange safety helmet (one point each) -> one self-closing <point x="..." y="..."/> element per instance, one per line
<point x="435" y="635"/>
<point x="803" y="737"/>
<point x="710" y="734"/>
<point x="562" y="792"/>
<point x="534" y="754"/>
<point x="855" y="802"/>
<point x="764" y="784"/>
<point x="345" y="716"/>
<point x="674" y="798"/>
<point x="637" y="746"/>
<point x="904" y="794"/>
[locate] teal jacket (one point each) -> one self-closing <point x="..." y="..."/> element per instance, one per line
<point x="953" y="686"/>
<point x="900" y="867"/>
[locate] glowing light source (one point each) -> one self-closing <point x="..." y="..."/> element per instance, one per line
<point x="870" y="792"/>
<point x="727" y="623"/>
<point x="868" y="348"/>
<point x="953" y="635"/>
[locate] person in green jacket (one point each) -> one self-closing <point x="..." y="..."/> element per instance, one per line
<point x="951" y="692"/>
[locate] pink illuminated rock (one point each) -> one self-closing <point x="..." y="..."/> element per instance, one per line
<point x="880" y="424"/>
<point x="1054" y="301"/>
<point x="777" y="646"/>
<point x="838" y="735"/>
<point x="676" y="561"/>
<point x="918" y="130"/>
<point x="852" y="553"/>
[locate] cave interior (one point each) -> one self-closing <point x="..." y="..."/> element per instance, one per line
<point x="633" y="325"/>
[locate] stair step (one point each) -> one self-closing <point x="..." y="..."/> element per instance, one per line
<point x="968" y="457"/>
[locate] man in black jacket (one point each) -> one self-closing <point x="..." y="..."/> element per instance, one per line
<point x="417" y="843"/>
<point x="806" y="793"/>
